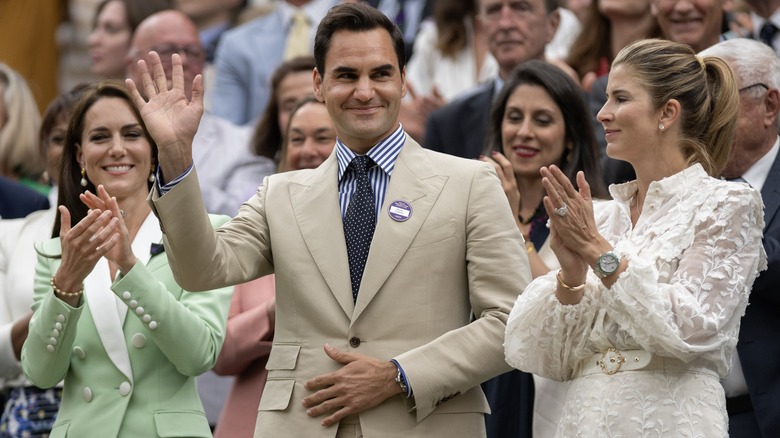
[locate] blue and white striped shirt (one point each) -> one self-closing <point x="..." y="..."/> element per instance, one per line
<point x="384" y="154"/>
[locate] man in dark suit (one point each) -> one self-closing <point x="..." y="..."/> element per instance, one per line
<point x="753" y="387"/>
<point x="514" y="36"/>
<point x="18" y="201"/>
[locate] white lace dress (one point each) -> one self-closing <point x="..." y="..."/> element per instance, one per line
<point x="693" y="256"/>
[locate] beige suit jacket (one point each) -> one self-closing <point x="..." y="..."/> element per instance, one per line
<point x="458" y="254"/>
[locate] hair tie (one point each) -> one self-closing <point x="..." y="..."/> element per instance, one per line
<point x="701" y="62"/>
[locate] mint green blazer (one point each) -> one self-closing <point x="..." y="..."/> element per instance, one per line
<point x="130" y="352"/>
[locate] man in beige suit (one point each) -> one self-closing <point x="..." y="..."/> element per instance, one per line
<point x="401" y="349"/>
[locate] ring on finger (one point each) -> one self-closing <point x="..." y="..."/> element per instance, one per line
<point x="562" y="211"/>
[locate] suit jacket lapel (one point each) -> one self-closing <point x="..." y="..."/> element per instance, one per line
<point x="109" y="312"/>
<point x="316" y="207"/>
<point x="771" y="193"/>
<point x="415" y="182"/>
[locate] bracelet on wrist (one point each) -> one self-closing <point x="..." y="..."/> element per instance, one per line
<point x="566" y="286"/>
<point x="58" y="291"/>
<point x="529" y="247"/>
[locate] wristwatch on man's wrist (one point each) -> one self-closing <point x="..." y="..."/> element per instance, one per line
<point x="607" y="264"/>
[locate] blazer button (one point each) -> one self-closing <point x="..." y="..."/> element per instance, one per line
<point x="354" y="342"/>
<point x="124" y="389"/>
<point x="87" y="394"/>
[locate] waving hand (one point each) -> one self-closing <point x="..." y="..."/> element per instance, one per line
<point x="170" y="118"/>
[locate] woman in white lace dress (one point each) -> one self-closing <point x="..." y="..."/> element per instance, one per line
<point x="644" y="313"/>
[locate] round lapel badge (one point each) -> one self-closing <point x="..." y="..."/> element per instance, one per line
<point x="400" y="211"/>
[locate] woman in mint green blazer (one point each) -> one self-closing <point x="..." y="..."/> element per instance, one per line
<point x="109" y="319"/>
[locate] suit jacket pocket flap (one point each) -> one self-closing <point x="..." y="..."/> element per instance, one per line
<point x="276" y="395"/>
<point x="181" y="424"/>
<point x="283" y="357"/>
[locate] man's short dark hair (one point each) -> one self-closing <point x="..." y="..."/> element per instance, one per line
<point x="354" y="17"/>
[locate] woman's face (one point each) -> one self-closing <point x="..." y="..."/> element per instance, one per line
<point x="294" y="87"/>
<point x="630" y="121"/>
<point x="533" y="131"/>
<point x="109" y="41"/>
<point x="114" y="149"/>
<point x="311" y="137"/>
<point x="55" y="143"/>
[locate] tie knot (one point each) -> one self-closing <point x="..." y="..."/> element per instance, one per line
<point x="361" y="163"/>
<point x="767" y="33"/>
<point x="299" y="18"/>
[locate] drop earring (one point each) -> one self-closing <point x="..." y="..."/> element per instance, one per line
<point x="152" y="178"/>
<point x="661" y="126"/>
<point x="83" y="177"/>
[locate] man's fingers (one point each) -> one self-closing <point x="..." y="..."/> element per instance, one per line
<point x="339" y="356"/>
<point x="337" y="416"/>
<point x="177" y="73"/>
<point x="160" y="81"/>
<point x="136" y="96"/>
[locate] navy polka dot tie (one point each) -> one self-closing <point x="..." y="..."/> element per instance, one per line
<point x="360" y="221"/>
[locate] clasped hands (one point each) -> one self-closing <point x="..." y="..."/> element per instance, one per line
<point x="574" y="236"/>
<point x="360" y="384"/>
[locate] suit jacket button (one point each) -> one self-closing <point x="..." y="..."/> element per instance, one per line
<point x="87" y="393"/>
<point x="124" y="389"/>
<point x="354" y="342"/>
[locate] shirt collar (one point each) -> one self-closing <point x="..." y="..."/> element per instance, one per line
<point x="759" y="171"/>
<point x="663" y="188"/>
<point x="384" y="153"/>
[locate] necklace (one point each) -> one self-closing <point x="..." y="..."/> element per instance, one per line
<point x="530" y="218"/>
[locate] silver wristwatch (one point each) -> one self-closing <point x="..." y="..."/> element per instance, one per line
<point x="606" y="264"/>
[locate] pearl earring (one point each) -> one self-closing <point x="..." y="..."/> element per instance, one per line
<point x="152" y="178"/>
<point x="83" y="181"/>
<point x="661" y="126"/>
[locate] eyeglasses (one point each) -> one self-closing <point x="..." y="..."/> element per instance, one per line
<point x="757" y="84"/>
<point x="193" y="52"/>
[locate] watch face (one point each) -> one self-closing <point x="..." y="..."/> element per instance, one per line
<point x="608" y="263"/>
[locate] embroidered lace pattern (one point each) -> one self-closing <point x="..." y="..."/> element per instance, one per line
<point x="693" y="256"/>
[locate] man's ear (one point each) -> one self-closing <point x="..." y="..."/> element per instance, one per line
<point x="317" y="85"/>
<point x="771" y="107"/>
<point x="403" y="82"/>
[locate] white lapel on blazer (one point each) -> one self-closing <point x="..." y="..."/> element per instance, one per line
<point x="107" y="310"/>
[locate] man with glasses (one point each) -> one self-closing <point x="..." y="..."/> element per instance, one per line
<point x="230" y="173"/>
<point x="753" y="389"/>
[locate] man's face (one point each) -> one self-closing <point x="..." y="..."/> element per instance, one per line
<point x="755" y="131"/>
<point x="362" y="87"/>
<point x="170" y="36"/>
<point x="697" y="23"/>
<point x="517" y="30"/>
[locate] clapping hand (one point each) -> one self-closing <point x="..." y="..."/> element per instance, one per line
<point x="506" y="175"/>
<point x="574" y="236"/>
<point x="120" y="251"/>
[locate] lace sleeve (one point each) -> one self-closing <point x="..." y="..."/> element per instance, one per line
<point x="689" y="305"/>
<point x="545" y="337"/>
